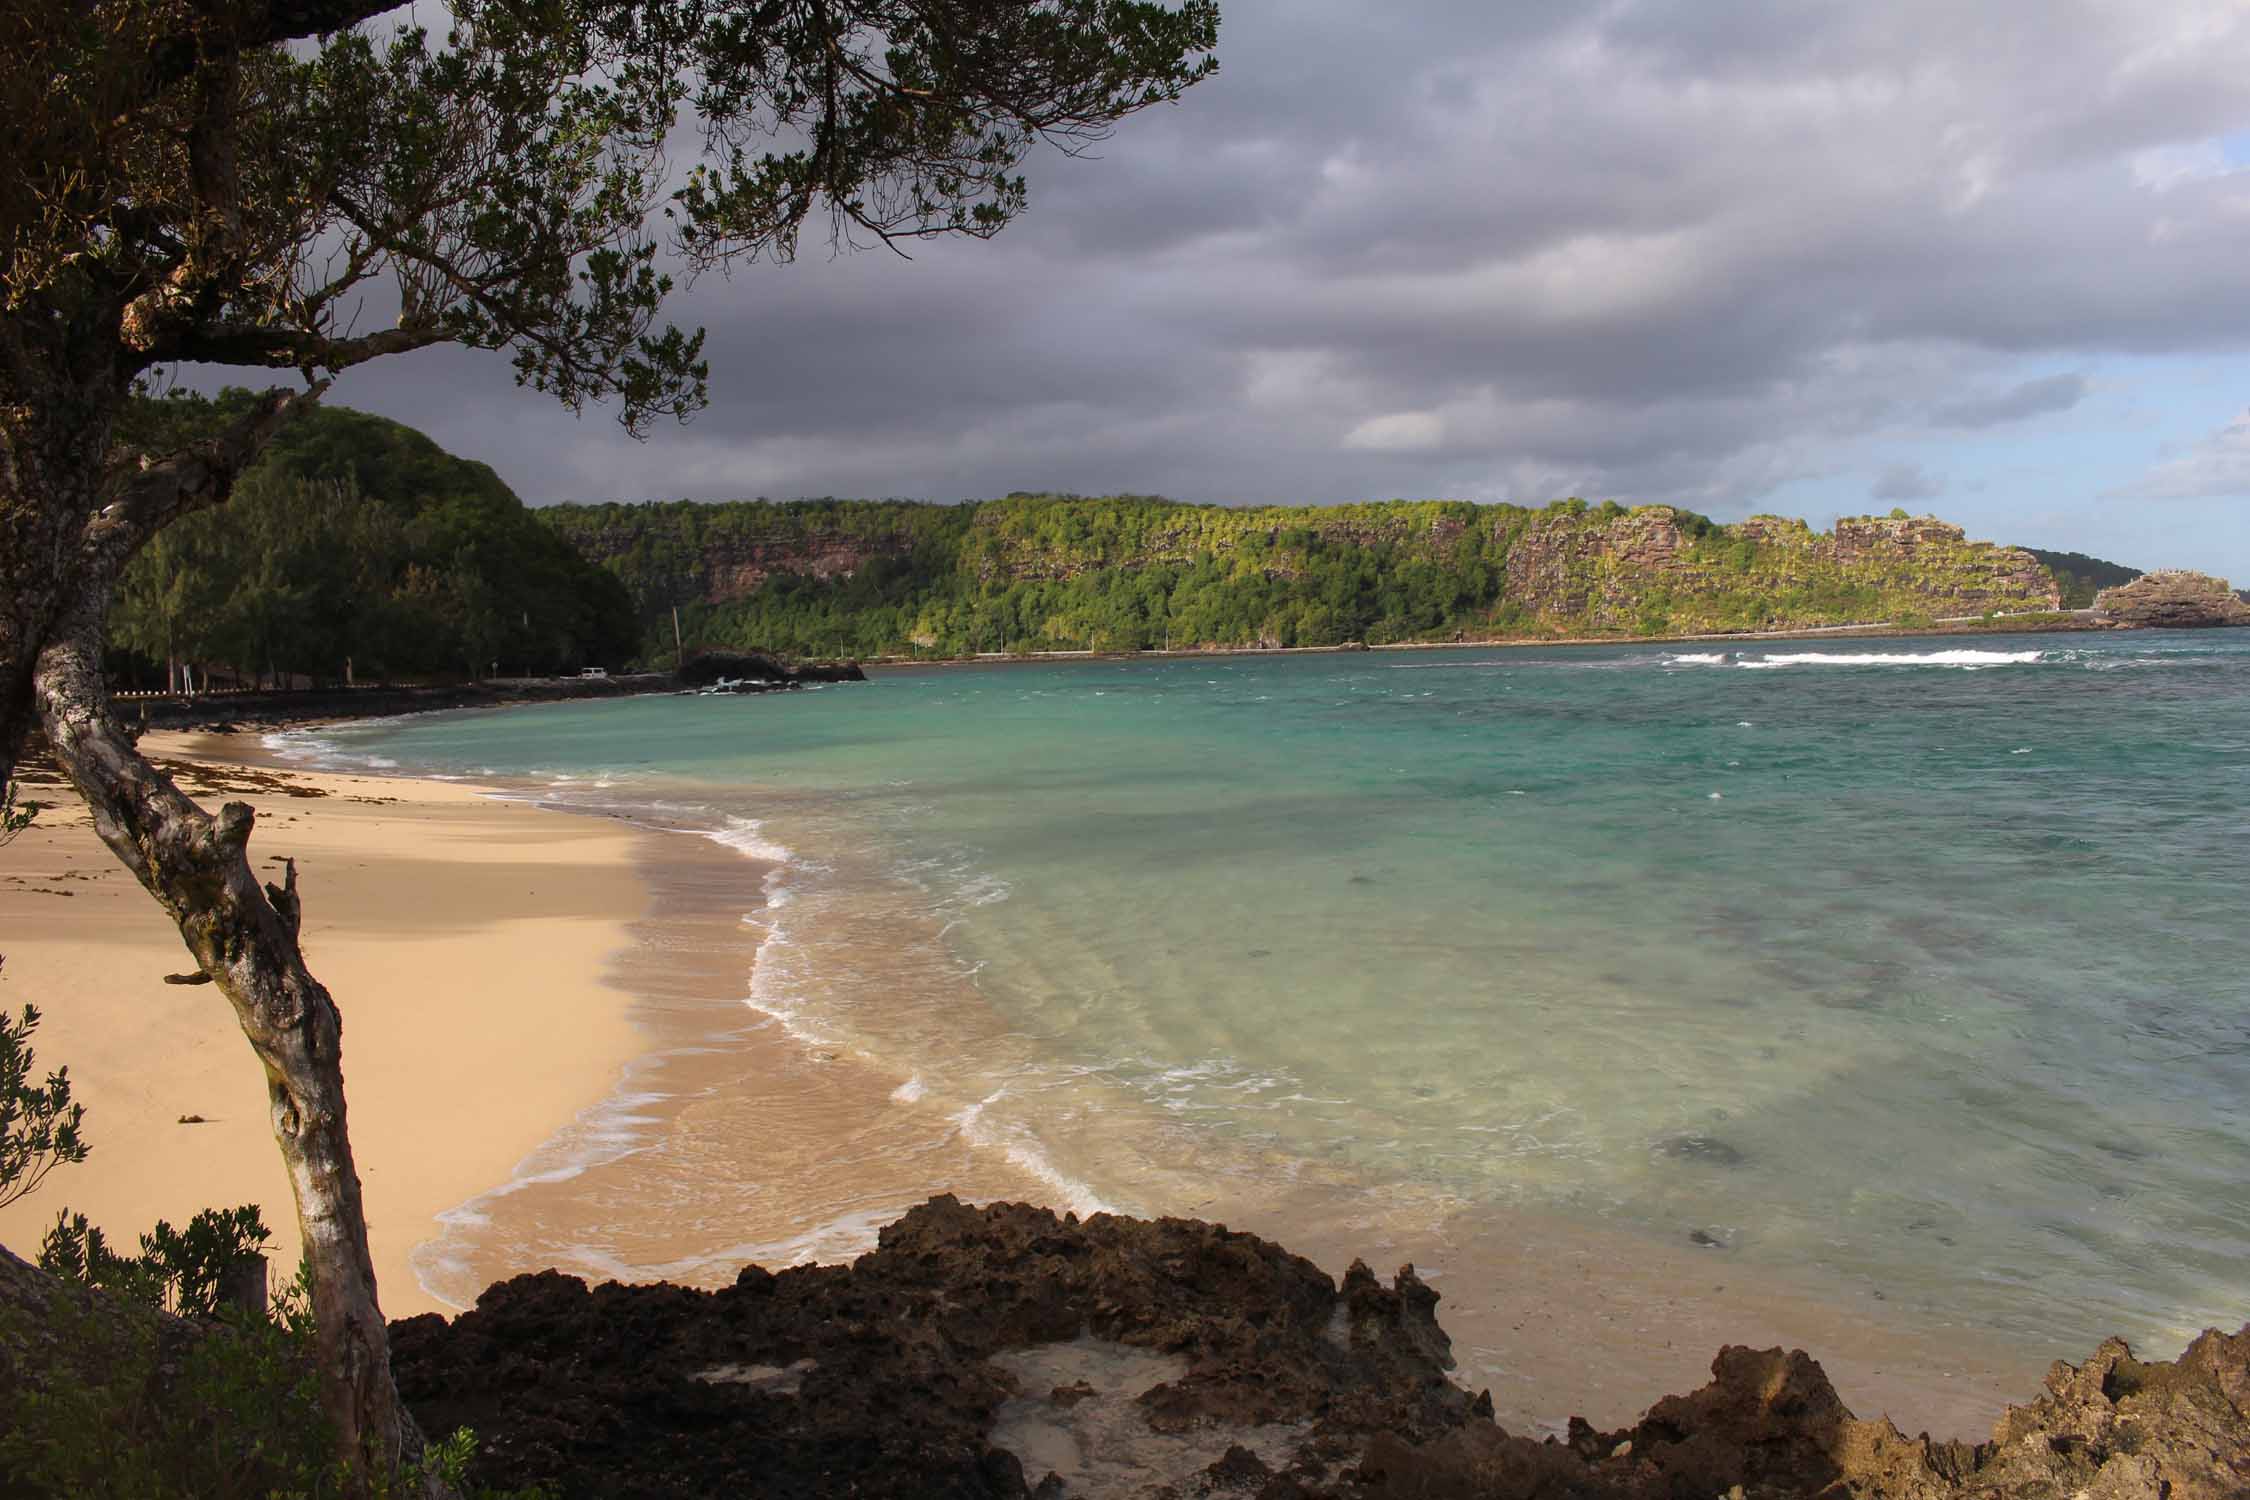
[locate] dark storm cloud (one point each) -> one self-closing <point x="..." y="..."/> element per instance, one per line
<point x="2032" y="398"/>
<point x="1690" y="250"/>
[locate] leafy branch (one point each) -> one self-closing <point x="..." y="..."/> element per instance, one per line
<point x="39" y="1126"/>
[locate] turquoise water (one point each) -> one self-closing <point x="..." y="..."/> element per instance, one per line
<point x="1920" y="963"/>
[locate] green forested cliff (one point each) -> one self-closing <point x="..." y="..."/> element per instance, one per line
<point x="358" y="548"/>
<point x="1120" y="573"/>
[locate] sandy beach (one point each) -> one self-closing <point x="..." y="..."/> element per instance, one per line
<point x="465" y="940"/>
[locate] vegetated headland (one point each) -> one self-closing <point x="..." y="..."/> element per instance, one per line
<point x="359" y="551"/>
<point x="1047" y="573"/>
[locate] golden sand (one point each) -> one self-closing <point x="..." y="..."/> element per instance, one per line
<point x="465" y="940"/>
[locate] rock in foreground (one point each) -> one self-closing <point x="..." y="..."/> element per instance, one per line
<point x="2172" y="599"/>
<point x="975" y="1350"/>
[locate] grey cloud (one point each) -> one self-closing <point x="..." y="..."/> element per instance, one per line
<point x="1665" y="249"/>
<point x="1906" y="482"/>
<point x="2033" y="398"/>
<point x="2216" y="468"/>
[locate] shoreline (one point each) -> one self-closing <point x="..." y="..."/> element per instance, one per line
<point x="227" y="709"/>
<point x="750" y="1143"/>
<point x="466" y="938"/>
<point x="2061" y="622"/>
<point x="1556" y="1315"/>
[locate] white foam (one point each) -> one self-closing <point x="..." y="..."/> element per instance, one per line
<point x="1023" y="1153"/>
<point x="843" y="1238"/>
<point x="1699" y="659"/>
<point x="772" y="993"/>
<point x="1959" y="658"/>
<point x="909" y="1092"/>
<point x="601" y="1134"/>
<point x="745" y="836"/>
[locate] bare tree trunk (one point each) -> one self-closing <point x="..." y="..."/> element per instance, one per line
<point x="61" y="551"/>
<point x="245" y="938"/>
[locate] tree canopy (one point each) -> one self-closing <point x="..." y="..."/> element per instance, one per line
<point x="357" y="549"/>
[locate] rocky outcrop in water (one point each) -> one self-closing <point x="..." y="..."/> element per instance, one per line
<point x="2172" y="599"/>
<point x="760" y="669"/>
<point x="978" y="1352"/>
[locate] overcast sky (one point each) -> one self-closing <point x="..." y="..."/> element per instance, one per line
<point x="1986" y="258"/>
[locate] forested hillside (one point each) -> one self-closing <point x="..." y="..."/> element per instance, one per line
<point x="1120" y="573"/>
<point x="2083" y="577"/>
<point x="357" y="549"/>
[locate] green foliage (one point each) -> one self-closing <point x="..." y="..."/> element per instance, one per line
<point x="359" y="547"/>
<point x="39" y="1126"/>
<point x="133" y="1406"/>
<point x="1134" y="572"/>
<point x="16" y="816"/>
<point x="179" y="1271"/>
<point x="511" y="178"/>
<point x="2082" y="577"/>
<point x="1050" y="572"/>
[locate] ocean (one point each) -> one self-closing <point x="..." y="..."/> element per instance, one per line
<point x="1905" y="968"/>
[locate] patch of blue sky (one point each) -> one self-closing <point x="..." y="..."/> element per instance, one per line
<point x="2062" y="480"/>
<point x="2236" y="148"/>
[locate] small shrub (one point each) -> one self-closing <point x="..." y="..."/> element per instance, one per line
<point x="15" y="816"/>
<point x="152" y="1411"/>
<point x="39" y="1126"/>
<point x="179" y="1271"/>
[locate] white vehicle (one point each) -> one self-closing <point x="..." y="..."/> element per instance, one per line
<point x="594" y="672"/>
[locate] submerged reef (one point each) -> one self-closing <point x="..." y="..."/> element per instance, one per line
<point x="1005" y="1352"/>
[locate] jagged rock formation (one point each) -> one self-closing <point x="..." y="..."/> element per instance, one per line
<point x="910" y="1373"/>
<point x="1659" y="570"/>
<point x="2172" y="599"/>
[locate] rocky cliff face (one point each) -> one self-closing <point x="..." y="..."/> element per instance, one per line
<point x="1658" y="570"/>
<point x="1003" y="1352"/>
<point x="727" y="565"/>
<point x="2172" y="598"/>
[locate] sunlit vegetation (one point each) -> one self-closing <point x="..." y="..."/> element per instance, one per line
<point x="357" y="550"/>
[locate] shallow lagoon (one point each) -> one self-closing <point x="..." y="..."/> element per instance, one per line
<point x="1915" y="964"/>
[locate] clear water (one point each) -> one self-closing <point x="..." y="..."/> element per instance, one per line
<point x="1916" y="961"/>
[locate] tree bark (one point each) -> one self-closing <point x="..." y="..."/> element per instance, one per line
<point x="245" y="938"/>
<point x="60" y="556"/>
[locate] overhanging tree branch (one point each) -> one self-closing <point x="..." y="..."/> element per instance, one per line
<point x="152" y="494"/>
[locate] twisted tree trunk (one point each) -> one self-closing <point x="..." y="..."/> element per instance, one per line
<point x="63" y="546"/>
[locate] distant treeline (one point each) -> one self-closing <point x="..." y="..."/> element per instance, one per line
<point x="827" y="578"/>
<point x="2083" y="577"/>
<point x="357" y="549"/>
